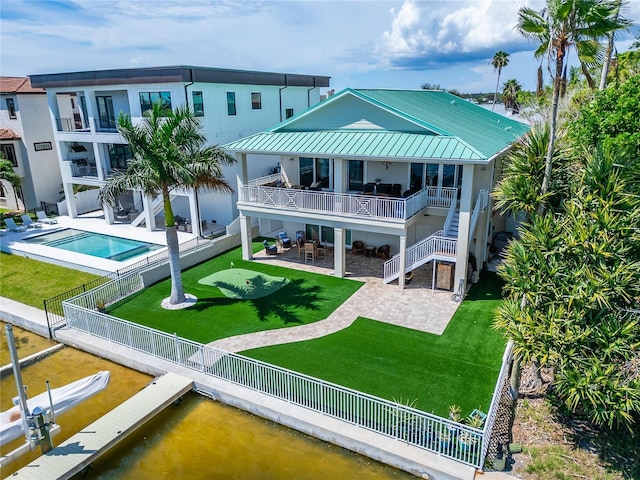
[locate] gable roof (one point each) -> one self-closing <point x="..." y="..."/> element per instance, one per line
<point x="418" y="123"/>
<point x="8" y="134"/>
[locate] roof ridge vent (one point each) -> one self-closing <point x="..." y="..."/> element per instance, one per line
<point x="453" y="102"/>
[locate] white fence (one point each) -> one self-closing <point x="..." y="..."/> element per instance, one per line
<point x="430" y="432"/>
<point x="345" y="204"/>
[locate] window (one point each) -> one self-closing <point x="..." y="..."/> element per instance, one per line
<point x="315" y="170"/>
<point x="11" y="107"/>
<point x="356" y="175"/>
<point x="9" y="153"/>
<point x="118" y="156"/>
<point x="417" y="176"/>
<point x="106" y="114"/>
<point x="288" y="112"/>
<point x="231" y="103"/>
<point x="73" y="104"/>
<point x="256" y="101"/>
<point x="198" y="105"/>
<point x="432" y="174"/>
<point x="147" y="99"/>
<point x="306" y="171"/>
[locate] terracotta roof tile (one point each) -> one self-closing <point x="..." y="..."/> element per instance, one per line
<point x="18" y="85"/>
<point x="8" y="134"/>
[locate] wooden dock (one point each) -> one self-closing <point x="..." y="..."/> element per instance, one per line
<point x="79" y="451"/>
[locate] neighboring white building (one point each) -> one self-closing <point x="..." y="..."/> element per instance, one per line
<point x="26" y="139"/>
<point x="232" y="104"/>
<point x="410" y="170"/>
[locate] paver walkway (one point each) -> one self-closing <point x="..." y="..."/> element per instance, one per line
<point x="416" y="306"/>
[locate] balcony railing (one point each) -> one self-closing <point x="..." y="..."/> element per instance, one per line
<point x="345" y="204"/>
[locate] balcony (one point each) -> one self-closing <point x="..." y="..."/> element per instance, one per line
<point x="83" y="168"/>
<point x="372" y="207"/>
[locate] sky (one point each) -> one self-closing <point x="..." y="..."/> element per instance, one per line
<point x="358" y="43"/>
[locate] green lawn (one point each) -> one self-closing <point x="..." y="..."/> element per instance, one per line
<point x="307" y="298"/>
<point x="396" y="363"/>
<point x="31" y="282"/>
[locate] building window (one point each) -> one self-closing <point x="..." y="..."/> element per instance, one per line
<point x="147" y="99"/>
<point x="288" y="112"/>
<point x="11" y="107"/>
<point x="198" y="104"/>
<point x="356" y="175"/>
<point x="231" y="103"/>
<point x="256" y="101"/>
<point x="106" y="113"/>
<point x="9" y="153"/>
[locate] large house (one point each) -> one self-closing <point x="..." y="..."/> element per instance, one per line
<point x="410" y="170"/>
<point x="26" y="140"/>
<point x="85" y="106"/>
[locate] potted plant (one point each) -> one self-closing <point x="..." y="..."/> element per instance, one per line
<point x="101" y="306"/>
<point x="467" y="439"/>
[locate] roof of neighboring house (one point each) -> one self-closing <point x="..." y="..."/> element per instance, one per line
<point x="390" y="123"/>
<point x="18" y="85"/>
<point x="180" y="73"/>
<point x="8" y="134"/>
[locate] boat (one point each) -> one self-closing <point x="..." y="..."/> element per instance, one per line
<point x="62" y="399"/>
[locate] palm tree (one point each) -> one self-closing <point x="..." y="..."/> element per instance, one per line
<point x="500" y="59"/>
<point x="561" y="25"/>
<point x="510" y="90"/>
<point x="169" y="153"/>
<point x="8" y="174"/>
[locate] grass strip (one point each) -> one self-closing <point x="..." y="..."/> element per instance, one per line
<point x="429" y="371"/>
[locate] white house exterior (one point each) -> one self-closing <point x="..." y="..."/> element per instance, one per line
<point x="26" y="139"/>
<point x="409" y="169"/>
<point x="85" y="106"/>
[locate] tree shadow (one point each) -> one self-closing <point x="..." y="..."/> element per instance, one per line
<point x="287" y="303"/>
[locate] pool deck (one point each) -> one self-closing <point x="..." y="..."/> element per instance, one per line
<point x="13" y="242"/>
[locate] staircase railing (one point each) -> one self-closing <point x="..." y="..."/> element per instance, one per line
<point x="450" y="214"/>
<point x="436" y="245"/>
<point x="481" y="204"/>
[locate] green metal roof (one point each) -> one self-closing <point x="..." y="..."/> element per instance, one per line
<point x="428" y="124"/>
<point x="356" y="144"/>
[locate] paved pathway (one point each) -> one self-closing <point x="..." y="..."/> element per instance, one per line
<point x="417" y="306"/>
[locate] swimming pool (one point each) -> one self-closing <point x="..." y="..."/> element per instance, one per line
<point x="96" y="244"/>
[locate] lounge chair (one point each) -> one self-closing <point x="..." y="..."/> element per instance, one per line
<point x="270" y="249"/>
<point x="286" y="241"/>
<point x="12" y="227"/>
<point x="42" y="217"/>
<point x="27" y="222"/>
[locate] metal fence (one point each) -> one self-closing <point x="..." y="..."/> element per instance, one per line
<point x="402" y="422"/>
<point x="53" y="306"/>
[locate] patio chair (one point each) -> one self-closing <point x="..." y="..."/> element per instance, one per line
<point x="270" y="249"/>
<point x="42" y="217"/>
<point x="12" y="227"/>
<point x="357" y="247"/>
<point x="384" y="252"/>
<point x="286" y="241"/>
<point x="309" y="252"/>
<point x="27" y="222"/>
<point x="321" y="250"/>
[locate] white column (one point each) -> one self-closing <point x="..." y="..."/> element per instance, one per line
<point x="339" y="252"/>
<point x="72" y="209"/>
<point x="101" y="167"/>
<point x="149" y="214"/>
<point x="403" y="259"/>
<point x="339" y="174"/>
<point x="466" y="197"/>
<point x="245" y="237"/>
<point x="194" y="215"/>
<point x="242" y="175"/>
<point x="108" y="214"/>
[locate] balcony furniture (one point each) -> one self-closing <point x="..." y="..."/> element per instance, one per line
<point x="321" y="250"/>
<point x="370" y="251"/>
<point x="42" y="217"/>
<point x="357" y="247"/>
<point x="309" y="252"/>
<point x="269" y="249"/>
<point x="384" y="252"/>
<point x="390" y="189"/>
<point x="317" y="186"/>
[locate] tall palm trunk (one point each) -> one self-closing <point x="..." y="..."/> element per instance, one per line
<point x="607" y="54"/>
<point x="546" y="179"/>
<point x="171" y="232"/>
<point x="495" y="95"/>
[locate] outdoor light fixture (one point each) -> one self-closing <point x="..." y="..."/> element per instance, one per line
<point x="386" y="164"/>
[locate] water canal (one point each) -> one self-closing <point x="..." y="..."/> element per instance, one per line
<point x="197" y="439"/>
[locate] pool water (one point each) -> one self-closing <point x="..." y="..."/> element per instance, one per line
<point x="96" y="244"/>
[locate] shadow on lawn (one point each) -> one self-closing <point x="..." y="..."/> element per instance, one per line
<point x="286" y="304"/>
<point x="488" y="288"/>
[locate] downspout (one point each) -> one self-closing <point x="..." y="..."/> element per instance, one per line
<point x="308" y="91"/>
<point x="286" y="84"/>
